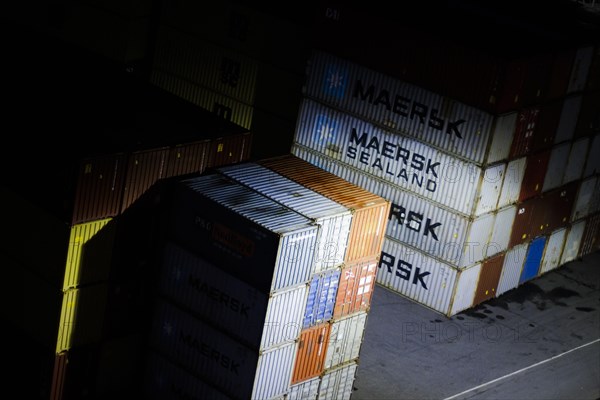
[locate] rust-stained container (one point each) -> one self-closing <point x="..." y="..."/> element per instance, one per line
<point x="554" y="250"/>
<point x="355" y="288"/>
<point x="591" y="236"/>
<point x="525" y="128"/>
<point x="99" y="188"/>
<point x="370" y="212"/>
<point x="489" y="277"/>
<point x="573" y="242"/>
<point x="521" y="229"/>
<point x="585" y="202"/>
<point x="535" y="172"/>
<point x="554" y="208"/>
<point x="513" y="181"/>
<point x="188" y="158"/>
<point x="588" y="123"/>
<point x="144" y="168"/>
<point x="310" y="356"/>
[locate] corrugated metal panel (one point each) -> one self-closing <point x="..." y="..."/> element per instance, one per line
<point x="522" y="228"/>
<point x="592" y="165"/>
<point x="188" y="158"/>
<point x="312" y="348"/>
<point x="555" y="208"/>
<point x="545" y="129"/>
<point x="355" y="289"/>
<point x="525" y="127"/>
<point x="333" y="218"/>
<point x="580" y="69"/>
<point x="59" y="376"/>
<point x="82" y="316"/>
<point x="237" y="228"/>
<point x="213" y="294"/>
<point x="576" y="161"/>
<point x="284" y="317"/>
<point x="274" y="372"/>
<point x="80" y="234"/>
<point x="369" y="211"/>
<point x="192" y="58"/>
<point x="203" y="351"/>
<point x="588" y="121"/>
<point x="489" y="278"/>
<point x="416" y="275"/>
<point x="407" y="163"/>
<point x="465" y="289"/>
<point x="511" y="270"/>
<point x="535" y="173"/>
<point x="513" y="179"/>
<point x="307" y="390"/>
<point x="501" y="231"/>
<point x="531" y="266"/>
<point x="478" y="240"/>
<point x="491" y="187"/>
<point x="556" y="166"/>
<point x="581" y="208"/>
<point x="345" y="339"/>
<point x="165" y="380"/>
<point x="226" y="107"/>
<point x="553" y="252"/>
<point x="99" y="188"/>
<point x="591" y="235"/>
<point x="321" y="297"/>
<point x="412" y="219"/>
<point x="230" y="149"/>
<point x="401" y="107"/>
<point x="337" y="384"/>
<point x="143" y="170"/>
<point x="568" y="119"/>
<point x="502" y="137"/>
<point x="573" y="242"/>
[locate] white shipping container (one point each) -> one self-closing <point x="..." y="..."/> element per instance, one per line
<point x="345" y="339"/>
<point x="247" y="234"/>
<point x="573" y="242"/>
<point x="274" y="372"/>
<point x="576" y="160"/>
<point x="580" y="69"/>
<point x="511" y="186"/>
<point x="409" y="110"/>
<point x="511" y="270"/>
<point x="425" y="280"/>
<point x="306" y="390"/>
<point x="556" y="166"/>
<point x="442" y="233"/>
<point x="333" y="218"/>
<point x="585" y="198"/>
<point x="336" y="384"/>
<point x="553" y="251"/>
<point x="568" y="119"/>
<point x="405" y="162"/>
<point x="501" y="230"/>
<point x="592" y="164"/>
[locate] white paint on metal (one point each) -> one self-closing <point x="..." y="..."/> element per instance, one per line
<point x="576" y="160"/>
<point x="307" y="390"/>
<point x="501" y="230"/>
<point x="274" y="372"/>
<point x="584" y="199"/>
<point x="573" y="242"/>
<point x="511" y="186"/>
<point x="491" y="186"/>
<point x="553" y="251"/>
<point x="465" y="289"/>
<point x="502" y="136"/>
<point x="511" y="270"/>
<point x="568" y="119"/>
<point x="336" y="384"/>
<point x="556" y="166"/>
<point x="285" y="312"/>
<point x="478" y="239"/>
<point x="345" y="339"/>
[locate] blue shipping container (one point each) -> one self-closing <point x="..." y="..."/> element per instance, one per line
<point x="321" y="297"/>
<point x="533" y="259"/>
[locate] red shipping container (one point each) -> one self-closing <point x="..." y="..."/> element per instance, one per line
<point x="489" y="277"/>
<point x="355" y="288"/>
<point x="525" y="127"/>
<point x="535" y="173"/>
<point x="312" y="348"/>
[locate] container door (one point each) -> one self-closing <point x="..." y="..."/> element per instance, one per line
<point x="533" y="259"/>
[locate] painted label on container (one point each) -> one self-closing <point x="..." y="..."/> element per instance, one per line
<point x="321" y="297"/>
<point x="531" y="266"/>
<point x="405" y="162"/>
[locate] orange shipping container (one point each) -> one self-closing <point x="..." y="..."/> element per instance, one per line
<point x="370" y="211"/>
<point x="355" y="288"/>
<point x="489" y="277"/>
<point x="312" y="348"/>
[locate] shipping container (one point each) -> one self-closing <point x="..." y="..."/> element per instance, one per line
<point x="345" y="339"/>
<point x="405" y="162"/>
<point x="306" y="390"/>
<point x="561" y="72"/>
<point x="568" y="119"/>
<point x="310" y="357"/>
<point x="554" y="250"/>
<point x="502" y="230"/>
<point x="252" y="317"/>
<point x="229" y="149"/>
<point x="584" y="202"/>
<point x="409" y="110"/>
<point x="556" y="166"/>
<point x="588" y="121"/>
<point x="593" y="79"/>
<point x="164" y="379"/>
<point x="322" y="295"/>
<point x="591" y="235"/>
<point x="188" y="158"/>
<point x="513" y="181"/>
<point x="355" y="289"/>
<point x="333" y="219"/>
<point x="535" y="173"/>
<point x="337" y="383"/>
<point x="511" y="270"/>
<point x="426" y="280"/>
<point x="523" y="227"/>
<point x="99" y="187"/>
<point x="531" y="266"/>
<point x="215" y="357"/>
<point x="572" y="242"/>
<point x="580" y="69"/>
<point x="263" y="243"/>
<point x="576" y="160"/>
<point x="369" y="211"/>
<point x="592" y="165"/>
<point x="442" y="233"/>
<point x="225" y="107"/>
<point x="489" y="278"/>
<point x="547" y="125"/>
<point x="197" y="60"/>
<point x="554" y="209"/>
<point x="80" y="235"/>
<point x="144" y="168"/>
<point x="525" y="128"/>
<point x="59" y="376"/>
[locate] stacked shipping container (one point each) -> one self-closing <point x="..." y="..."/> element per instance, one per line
<point x="465" y="185"/>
